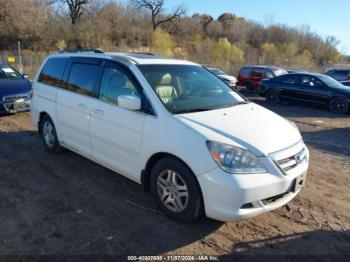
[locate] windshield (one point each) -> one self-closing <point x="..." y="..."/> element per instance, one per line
<point x="217" y="71"/>
<point x="329" y="81"/>
<point x="189" y="88"/>
<point x="8" y="73"/>
<point x="280" y="72"/>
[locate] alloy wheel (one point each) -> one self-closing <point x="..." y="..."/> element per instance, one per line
<point x="49" y="135"/>
<point x="172" y="190"/>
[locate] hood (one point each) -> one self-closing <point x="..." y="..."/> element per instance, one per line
<point x="343" y="89"/>
<point x="11" y="87"/>
<point x="231" y="78"/>
<point x="249" y="125"/>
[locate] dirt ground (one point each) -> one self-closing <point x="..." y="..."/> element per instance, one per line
<point x="65" y="204"/>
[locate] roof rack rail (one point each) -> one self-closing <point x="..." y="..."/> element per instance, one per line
<point x="80" y="50"/>
<point x="142" y="53"/>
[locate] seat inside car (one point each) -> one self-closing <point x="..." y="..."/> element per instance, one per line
<point x="165" y="90"/>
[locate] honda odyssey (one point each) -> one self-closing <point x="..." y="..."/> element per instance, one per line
<point x="175" y="128"/>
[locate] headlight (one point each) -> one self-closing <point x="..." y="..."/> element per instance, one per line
<point x="234" y="159"/>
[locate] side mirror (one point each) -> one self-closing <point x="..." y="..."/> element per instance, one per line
<point x="130" y="102"/>
<point x="25" y="76"/>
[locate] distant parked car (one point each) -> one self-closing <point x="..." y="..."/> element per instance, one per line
<point x="339" y="74"/>
<point x="251" y="76"/>
<point x="15" y="90"/>
<point x="346" y="83"/>
<point x="310" y="88"/>
<point x="230" y="80"/>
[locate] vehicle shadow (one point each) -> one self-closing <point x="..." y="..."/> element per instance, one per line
<point x="65" y="204"/>
<point x="334" y="140"/>
<point x="319" y="243"/>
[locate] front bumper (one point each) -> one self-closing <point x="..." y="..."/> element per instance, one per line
<point x="230" y="197"/>
<point x="14" y="104"/>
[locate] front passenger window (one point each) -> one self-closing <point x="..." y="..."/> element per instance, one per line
<point x="116" y="83"/>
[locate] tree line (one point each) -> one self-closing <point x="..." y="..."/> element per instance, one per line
<point x="227" y="41"/>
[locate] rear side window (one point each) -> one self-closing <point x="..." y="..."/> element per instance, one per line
<point x="287" y="79"/>
<point x="83" y="78"/>
<point x="245" y="71"/>
<point x="52" y="73"/>
<point x="257" y="72"/>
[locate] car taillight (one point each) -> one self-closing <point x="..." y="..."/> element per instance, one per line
<point x="348" y="77"/>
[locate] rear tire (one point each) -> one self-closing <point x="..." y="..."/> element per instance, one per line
<point x="49" y="135"/>
<point x="249" y="86"/>
<point x="273" y="97"/>
<point x="176" y="190"/>
<point x="339" y="105"/>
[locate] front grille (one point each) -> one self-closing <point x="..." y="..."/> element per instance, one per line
<point x="11" y="98"/>
<point x="293" y="161"/>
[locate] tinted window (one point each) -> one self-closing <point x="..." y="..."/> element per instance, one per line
<point x="287" y="79"/>
<point x="311" y="81"/>
<point x="83" y="78"/>
<point x="116" y="83"/>
<point x="52" y="73"/>
<point x="257" y="72"/>
<point x="245" y="71"/>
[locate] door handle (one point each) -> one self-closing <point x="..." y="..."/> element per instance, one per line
<point x="82" y="106"/>
<point x="98" y="112"/>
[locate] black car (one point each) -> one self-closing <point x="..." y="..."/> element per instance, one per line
<point x="15" y="90"/>
<point x="310" y="88"/>
<point x="339" y="74"/>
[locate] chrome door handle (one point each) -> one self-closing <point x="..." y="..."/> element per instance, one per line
<point x="82" y="106"/>
<point x="98" y="112"/>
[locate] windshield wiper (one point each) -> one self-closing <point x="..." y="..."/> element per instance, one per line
<point x="241" y="103"/>
<point x="231" y="105"/>
<point x="192" y="110"/>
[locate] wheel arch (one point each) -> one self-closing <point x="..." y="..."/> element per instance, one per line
<point x="146" y="172"/>
<point x="41" y="116"/>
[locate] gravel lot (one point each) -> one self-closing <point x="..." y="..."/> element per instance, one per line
<point x="65" y="204"/>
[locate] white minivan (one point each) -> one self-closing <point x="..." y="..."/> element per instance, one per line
<point x="174" y="127"/>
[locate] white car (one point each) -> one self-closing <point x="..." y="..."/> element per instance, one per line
<point x="230" y="80"/>
<point x="173" y="127"/>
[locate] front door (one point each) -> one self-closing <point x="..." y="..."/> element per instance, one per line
<point x="116" y="133"/>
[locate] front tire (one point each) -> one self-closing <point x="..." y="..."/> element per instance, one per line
<point x="49" y="135"/>
<point x="339" y="105"/>
<point x="176" y="190"/>
<point x="249" y="86"/>
<point x="273" y="97"/>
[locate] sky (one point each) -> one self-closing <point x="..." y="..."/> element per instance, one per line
<point x="326" y="17"/>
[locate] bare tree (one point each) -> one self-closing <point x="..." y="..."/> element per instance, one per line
<point x="76" y="8"/>
<point x="156" y="7"/>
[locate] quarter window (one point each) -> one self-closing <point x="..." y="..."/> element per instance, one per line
<point x="116" y="83"/>
<point x="52" y="73"/>
<point x="83" y="78"/>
